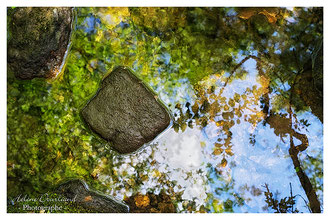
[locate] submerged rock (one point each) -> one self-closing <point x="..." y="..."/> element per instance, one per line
<point x="78" y="191"/>
<point x="38" y="39"/>
<point x="125" y="112"/>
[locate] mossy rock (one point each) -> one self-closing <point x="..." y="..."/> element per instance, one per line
<point x="78" y="191"/>
<point x="125" y="112"/>
<point x="38" y="38"/>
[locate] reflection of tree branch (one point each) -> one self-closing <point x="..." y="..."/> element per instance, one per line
<point x="296" y="60"/>
<point x="291" y="197"/>
<point x="293" y="151"/>
<point x="280" y="78"/>
<point x="236" y="67"/>
<point x="252" y="110"/>
<point x="303" y="178"/>
<point x="280" y="205"/>
<point x="270" y="199"/>
<point x="306" y="203"/>
<point x="284" y="125"/>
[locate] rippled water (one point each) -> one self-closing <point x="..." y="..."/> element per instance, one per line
<point x="206" y="160"/>
<point x="187" y="159"/>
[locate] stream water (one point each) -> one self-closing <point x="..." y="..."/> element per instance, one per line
<point x="218" y="156"/>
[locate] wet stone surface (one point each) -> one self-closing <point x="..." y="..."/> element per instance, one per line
<point x="125" y="112"/>
<point x="38" y="39"/>
<point x="78" y="191"/>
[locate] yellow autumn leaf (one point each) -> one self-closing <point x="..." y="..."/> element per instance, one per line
<point x="141" y="201"/>
<point x="223" y="163"/>
<point x="94" y="175"/>
<point x="89" y="68"/>
<point x="115" y="44"/>
<point x="88" y="198"/>
<point x="218" y="145"/>
<point x="246" y="13"/>
<point x="183" y="127"/>
<point x="156" y="173"/>
<point x="58" y="155"/>
<point x="195" y="108"/>
<point x="99" y="35"/>
<point x="213" y="96"/>
<point x="220" y="123"/>
<point x="229" y="152"/>
<point x="260" y="115"/>
<point x="59" y="98"/>
<point x="270" y="15"/>
<point x="264" y="81"/>
<point x="217" y="151"/>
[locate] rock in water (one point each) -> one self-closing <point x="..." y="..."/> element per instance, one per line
<point x="125" y="112"/>
<point x="38" y="39"/>
<point x="78" y="191"/>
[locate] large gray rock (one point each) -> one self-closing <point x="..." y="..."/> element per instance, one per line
<point x="78" y="191"/>
<point x="125" y="112"/>
<point x="38" y="40"/>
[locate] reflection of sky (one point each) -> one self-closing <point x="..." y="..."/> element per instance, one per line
<point x="268" y="161"/>
<point x="184" y="160"/>
<point x="290" y="18"/>
<point x="90" y="24"/>
<point x="265" y="162"/>
<point x="182" y="153"/>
